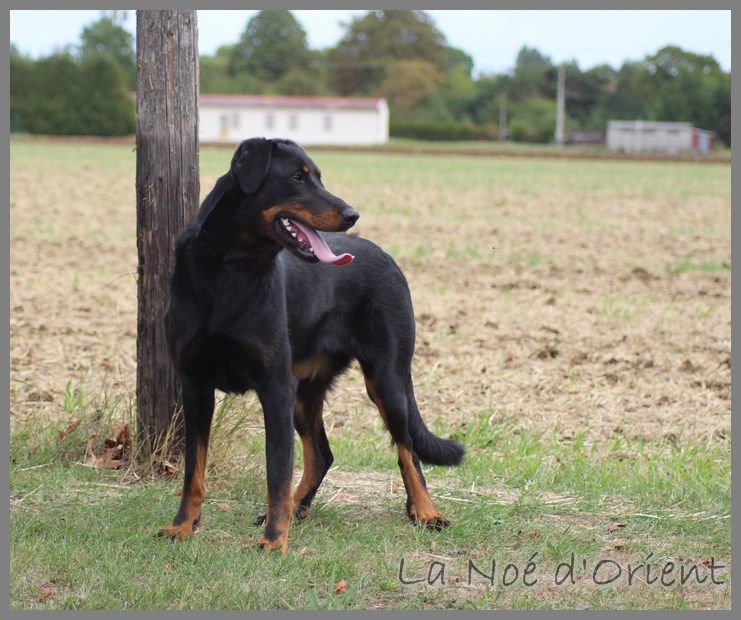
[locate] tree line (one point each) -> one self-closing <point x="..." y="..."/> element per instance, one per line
<point x="429" y="84"/>
<point x="81" y="90"/>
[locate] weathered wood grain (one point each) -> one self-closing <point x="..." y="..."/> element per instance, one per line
<point x="167" y="190"/>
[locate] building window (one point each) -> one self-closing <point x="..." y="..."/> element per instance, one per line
<point x="269" y="120"/>
<point x="227" y="121"/>
<point x="328" y="122"/>
<point x="293" y="121"/>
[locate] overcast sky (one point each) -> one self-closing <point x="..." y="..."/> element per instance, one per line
<point x="492" y="38"/>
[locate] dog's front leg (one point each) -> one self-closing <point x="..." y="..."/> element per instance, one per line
<point x="198" y="409"/>
<point x="277" y="398"/>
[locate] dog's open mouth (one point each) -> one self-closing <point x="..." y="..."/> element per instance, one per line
<point x="307" y="243"/>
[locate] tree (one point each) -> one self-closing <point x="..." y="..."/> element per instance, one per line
<point x="358" y="63"/>
<point x="107" y="36"/>
<point x="22" y="84"/>
<point x="584" y="89"/>
<point x="59" y="95"/>
<point x="686" y="88"/>
<point x="631" y="97"/>
<point x="353" y="77"/>
<point x="298" y="82"/>
<point x="670" y="85"/>
<point x="486" y="98"/>
<point x="721" y="105"/>
<point x="533" y="120"/>
<point x="57" y="99"/>
<point x="216" y="75"/>
<point x="408" y="82"/>
<point x="272" y="44"/>
<point x="458" y="89"/>
<point x="458" y="59"/>
<point x="108" y="109"/>
<point x="530" y="77"/>
<point x="671" y="60"/>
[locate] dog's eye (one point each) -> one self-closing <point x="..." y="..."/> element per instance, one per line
<point x="297" y="177"/>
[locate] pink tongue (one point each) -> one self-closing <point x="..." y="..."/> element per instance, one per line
<point x="320" y="247"/>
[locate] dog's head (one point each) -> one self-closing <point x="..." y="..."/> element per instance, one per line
<point x="280" y="196"/>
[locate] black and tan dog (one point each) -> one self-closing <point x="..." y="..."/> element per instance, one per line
<point x="257" y="302"/>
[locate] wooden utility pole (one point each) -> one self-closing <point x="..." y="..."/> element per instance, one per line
<point x="167" y="192"/>
<point x="560" y="104"/>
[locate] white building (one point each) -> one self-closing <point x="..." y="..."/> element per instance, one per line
<point x="306" y="120"/>
<point x="657" y="137"/>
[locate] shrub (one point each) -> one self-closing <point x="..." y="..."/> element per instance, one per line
<point x="432" y="130"/>
<point x="533" y="120"/>
<point x="60" y="96"/>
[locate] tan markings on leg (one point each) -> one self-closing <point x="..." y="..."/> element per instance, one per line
<point x="307" y="476"/>
<point x="278" y="522"/>
<point x="193" y="497"/>
<point x="310" y="417"/>
<point x="421" y="509"/>
<point x="312" y="368"/>
<point x="328" y="219"/>
<point x="373" y="395"/>
<point x="310" y="475"/>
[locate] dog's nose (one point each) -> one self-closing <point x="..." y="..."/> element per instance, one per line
<point x="350" y="216"/>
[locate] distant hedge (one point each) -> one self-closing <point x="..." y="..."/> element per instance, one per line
<point x="433" y="130"/>
<point x="62" y="96"/>
<point x="533" y="120"/>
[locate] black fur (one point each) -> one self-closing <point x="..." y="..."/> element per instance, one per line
<point x="245" y="312"/>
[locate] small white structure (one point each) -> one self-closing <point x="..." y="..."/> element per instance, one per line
<point x="306" y="120"/>
<point x="657" y="137"/>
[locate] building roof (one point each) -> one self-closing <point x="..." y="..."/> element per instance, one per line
<point x="291" y="101"/>
<point x="649" y="124"/>
<point x="641" y="124"/>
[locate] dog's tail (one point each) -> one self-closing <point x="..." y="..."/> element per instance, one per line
<point x="429" y="448"/>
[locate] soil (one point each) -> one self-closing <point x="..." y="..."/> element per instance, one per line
<point x="567" y="311"/>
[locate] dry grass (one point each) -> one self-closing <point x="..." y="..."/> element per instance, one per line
<point x="572" y="296"/>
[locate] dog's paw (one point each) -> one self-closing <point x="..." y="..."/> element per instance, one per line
<point x="432" y="520"/>
<point x="177" y="532"/>
<point x="260" y="520"/>
<point x="280" y="544"/>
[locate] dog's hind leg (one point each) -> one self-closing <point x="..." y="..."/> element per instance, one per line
<point x="317" y="454"/>
<point x="388" y="393"/>
<point x="198" y="409"/>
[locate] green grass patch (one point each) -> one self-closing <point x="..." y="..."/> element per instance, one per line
<point x="688" y="264"/>
<point x="624" y="310"/>
<point x="84" y="538"/>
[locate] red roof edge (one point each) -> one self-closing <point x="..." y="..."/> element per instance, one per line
<point x="292" y="101"/>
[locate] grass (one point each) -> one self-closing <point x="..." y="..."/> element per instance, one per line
<point x="573" y="330"/>
<point x="520" y="148"/>
<point x="688" y="264"/>
<point x="84" y="538"/>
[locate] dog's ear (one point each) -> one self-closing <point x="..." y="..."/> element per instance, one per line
<point x="221" y="193"/>
<point x="250" y="163"/>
